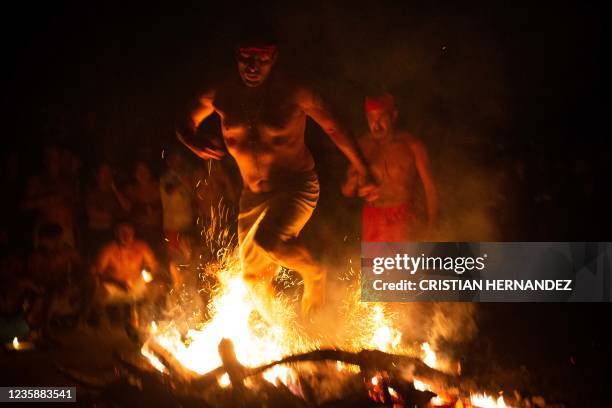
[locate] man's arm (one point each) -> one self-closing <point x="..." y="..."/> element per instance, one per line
<point x="149" y="258"/>
<point x="102" y="263"/>
<point x="187" y="128"/>
<point x="349" y="189"/>
<point x="422" y="164"/>
<point x="313" y="106"/>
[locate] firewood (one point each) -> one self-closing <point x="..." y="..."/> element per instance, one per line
<point x="174" y="367"/>
<point x="233" y="368"/>
<point x="369" y="360"/>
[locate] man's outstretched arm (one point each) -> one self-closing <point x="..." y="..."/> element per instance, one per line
<point x="350" y="187"/>
<point x="315" y="108"/>
<point x="188" y="126"/>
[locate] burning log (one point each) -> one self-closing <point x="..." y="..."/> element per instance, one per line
<point x="367" y="360"/>
<point x="177" y="386"/>
<point x="233" y="368"/>
<point x="175" y="368"/>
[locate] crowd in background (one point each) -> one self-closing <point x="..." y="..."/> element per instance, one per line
<point x="59" y="216"/>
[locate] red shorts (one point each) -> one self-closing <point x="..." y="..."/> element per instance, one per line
<point x="387" y="224"/>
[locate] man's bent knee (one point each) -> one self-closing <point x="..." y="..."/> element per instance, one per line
<point x="267" y="241"/>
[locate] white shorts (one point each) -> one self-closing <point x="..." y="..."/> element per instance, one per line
<point x="115" y="294"/>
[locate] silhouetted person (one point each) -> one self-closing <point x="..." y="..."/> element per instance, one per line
<point x="54" y="268"/>
<point x="52" y="196"/>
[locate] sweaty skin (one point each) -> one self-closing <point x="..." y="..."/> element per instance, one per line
<point x="397" y="165"/>
<point x="263" y="130"/>
<point x="263" y="123"/>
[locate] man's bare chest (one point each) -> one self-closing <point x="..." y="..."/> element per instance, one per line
<point x="389" y="161"/>
<point x="264" y="113"/>
<point x="122" y="258"/>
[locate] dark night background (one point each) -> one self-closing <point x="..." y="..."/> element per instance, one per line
<point x="508" y="98"/>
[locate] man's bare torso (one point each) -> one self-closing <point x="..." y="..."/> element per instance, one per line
<point x="124" y="263"/>
<point x="392" y="163"/>
<point x="263" y="129"/>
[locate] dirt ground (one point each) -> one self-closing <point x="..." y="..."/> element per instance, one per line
<point x="89" y="352"/>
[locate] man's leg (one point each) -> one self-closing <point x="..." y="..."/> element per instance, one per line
<point x="278" y="236"/>
<point x="258" y="277"/>
<point x="269" y="225"/>
<point x="293" y="254"/>
<point x="258" y="269"/>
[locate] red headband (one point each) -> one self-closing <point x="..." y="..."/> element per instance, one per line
<point x="384" y="102"/>
<point x="267" y="50"/>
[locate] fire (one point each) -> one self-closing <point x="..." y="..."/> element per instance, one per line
<point x="18" y="345"/>
<point x="224" y="380"/>
<point x="153" y="360"/>
<point x="486" y="401"/>
<point x="421" y="386"/>
<point x="232" y="314"/>
<point x="429" y="357"/>
<point x="233" y="317"/>
<point x="146" y="276"/>
<point x="385" y="337"/>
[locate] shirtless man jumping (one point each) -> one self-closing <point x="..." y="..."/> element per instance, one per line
<point x="398" y="160"/>
<point x="263" y="118"/>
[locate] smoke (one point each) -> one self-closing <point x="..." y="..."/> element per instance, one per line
<point x="446" y="71"/>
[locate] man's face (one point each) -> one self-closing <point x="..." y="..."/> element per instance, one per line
<point x="125" y="234"/>
<point x="381" y="122"/>
<point x="255" y="64"/>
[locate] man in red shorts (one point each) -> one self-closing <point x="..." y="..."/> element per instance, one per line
<point x="398" y="160"/>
